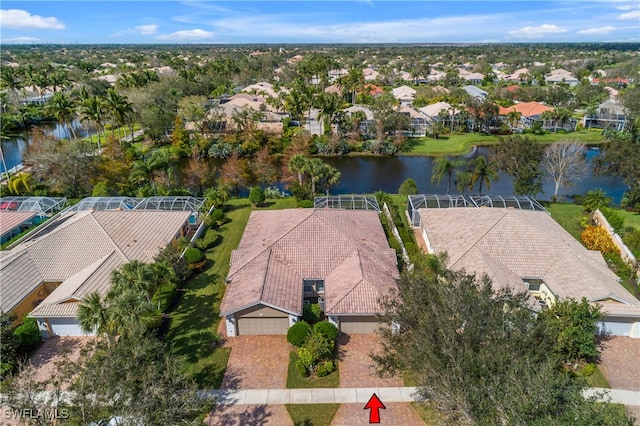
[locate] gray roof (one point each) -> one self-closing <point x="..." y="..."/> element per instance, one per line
<point x="346" y="248"/>
<point x="510" y="244"/>
<point x="82" y="250"/>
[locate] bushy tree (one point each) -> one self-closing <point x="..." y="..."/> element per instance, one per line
<point x="480" y="354"/>
<point x="573" y="325"/>
<point x="298" y="333"/>
<point x="9" y="344"/>
<point x="521" y="157"/>
<point x="408" y="187"/>
<point x="256" y="195"/>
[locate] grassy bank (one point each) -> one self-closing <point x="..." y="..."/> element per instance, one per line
<point x="460" y="144"/>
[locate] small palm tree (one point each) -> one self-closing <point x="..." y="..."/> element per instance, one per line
<point x="93" y="315"/>
<point x="442" y="167"/>
<point x="595" y="199"/>
<point x="485" y="172"/>
<point x="134" y="276"/>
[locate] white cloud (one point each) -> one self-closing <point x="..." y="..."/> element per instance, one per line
<point x="20" y="19"/>
<point x="625" y="7"/>
<point x="21" y="40"/>
<point x="634" y="14"/>
<point x="146" y="29"/>
<point x="539" y="31"/>
<point x="187" y="35"/>
<point x="596" y="31"/>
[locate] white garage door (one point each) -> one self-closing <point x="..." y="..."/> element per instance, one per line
<point x="65" y="327"/>
<point x="617" y="327"/>
<point x="262" y="326"/>
<point x="358" y="325"/>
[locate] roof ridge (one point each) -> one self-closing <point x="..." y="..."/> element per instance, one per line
<point x="270" y="246"/>
<point x="266" y="273"/>
<point x="479" y="239"/>
<point x="104" y="231"/>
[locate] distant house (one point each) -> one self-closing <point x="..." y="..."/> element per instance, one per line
<point x="339" y="259"/>
<point x="527" y="251"/>
<point x="475" y="92"/>
<point x="610" y="115"/>
<point x="48" y="276"/>
<point x="530" y="112"/>
<point x="365" y="126"/>
<point x="404" y="94"/>
<point x="417" y="122"/>
<point x="561" y="76"/>
<point x="473" y="78"/>
<point x="370" y="74"/>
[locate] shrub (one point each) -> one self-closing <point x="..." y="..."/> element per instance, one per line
<point x="298" y="333"/>
<point x="597" y="238"/>
<point x="301" y="368"/>
<point x="322" y="371"/>
<point x="311" y="313"/>
<point x="326" y="329"/>
<point x="163" y="296"/>
<point x="256" y="196"/>
<point x="615" y="219"/>
<point x="589" y="369"/>
<point x="29" y="334"/>
<point x="305" y="204"/>
<point x="193" y="255"/>
<point x="408" y="187"/>
<point x="632" y="240"/>
<point x="208" y="240"/>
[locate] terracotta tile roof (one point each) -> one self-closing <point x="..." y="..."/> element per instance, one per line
<point x="509" y="244"/>
<point x="83" y="249"/>
<point x="527" y="109"/>
<point x="10" y="220"/>
<point x="280" y="248"/>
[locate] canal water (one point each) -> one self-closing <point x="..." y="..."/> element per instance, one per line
<point x="367" y="174"/>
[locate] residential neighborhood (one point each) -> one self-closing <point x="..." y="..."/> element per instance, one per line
<point x="181" y="243"/>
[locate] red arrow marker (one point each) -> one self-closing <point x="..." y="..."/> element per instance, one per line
<point x="374" y="405"/>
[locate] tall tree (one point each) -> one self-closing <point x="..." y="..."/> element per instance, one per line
<point x="119" y="108"/>
<point x="444" y="166"/>
<point x="520" y="157"/>
<point x="565" y="163"/>
<point x="484" y="172"/>
<point x="63" y="109"/>
<point x="480" y="354"/>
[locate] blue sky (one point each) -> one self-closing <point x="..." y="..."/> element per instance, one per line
<point x="73" y="22"/>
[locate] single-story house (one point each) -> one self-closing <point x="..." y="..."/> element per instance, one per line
<point x="337" y="258"/>
<point x="72" y="256"/>
<point x="611" y="115"/>
<point x="528" y="250"/>
<point x="475" y="92"/>
<point x="12" y="223"/>
<point x="404" y="94"/>
<point x="530" y="112"/>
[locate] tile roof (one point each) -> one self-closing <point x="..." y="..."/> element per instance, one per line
<point x="81" y="252"/>
<point x="346" y="248"/>
<point x="509" y="244"/>
<point x="9" y="220"/>
<point x="527" y="109"/>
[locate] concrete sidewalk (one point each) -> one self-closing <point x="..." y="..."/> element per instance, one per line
<point x="361" y="395"/>
<point x="310" y="396"/>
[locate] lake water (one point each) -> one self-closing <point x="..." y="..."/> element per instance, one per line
<point x="362" y="175"/>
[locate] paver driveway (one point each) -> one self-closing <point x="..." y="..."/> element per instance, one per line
<point x="253" y="415"/>
<point x="396" y="413"/>
<point x="257" y="362"/>
<point x="54" y="350"/>
<point x="619" y="364"/>
<point x="356" y="367"/>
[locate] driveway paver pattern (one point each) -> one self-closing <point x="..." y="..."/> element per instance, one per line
<point x="396" y="413"/>
<point x="245" y="415"/>
<point x="257" y="362"/>
<point x="356" y="366"/>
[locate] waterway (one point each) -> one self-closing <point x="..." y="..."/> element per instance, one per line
<point x="367" y="174"/>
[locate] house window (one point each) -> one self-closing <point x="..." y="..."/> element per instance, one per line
<point x="533" y="284"/>
<point x="313" y="286"/>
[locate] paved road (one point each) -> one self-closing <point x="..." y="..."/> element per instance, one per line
<point x="361" y="395"/>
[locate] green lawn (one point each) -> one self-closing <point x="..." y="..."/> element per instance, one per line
<point x="312" y="414"/>
<point x="458" y="144"/>
<point x="194" y="321"/>
<point x="631" y="219"/>
<point x="568" y="216"/>
<point x="597" y="380"/>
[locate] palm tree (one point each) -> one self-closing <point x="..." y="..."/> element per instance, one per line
<point x="485" y="172"/>
<point x="17" y="181"/>
<point x="328" y="104"/>
<point x="62" y="108"/>
<point x="216" y="196"/>
<point x="464" y="181"/>
<point x="144" y="168"/>
<point x="297" y="165"/>
<point x="442" y="167"/>
<point x="93" y="110"/>
<point x="513" y="117"/>
<point x="118" y="107"/>
<point x="93" y="315"/>
<point x="595" y="199"/>
<point x="134" y="276"/>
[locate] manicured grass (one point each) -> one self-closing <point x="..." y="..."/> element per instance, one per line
<point x="568" y="216"/>
<point x="597" y="380"/>
<point x="312" y="414"/>
<point x="458" y="144"/>
<point x="194" y="321"/>
<point x="429" y="414"/>
<point x="296" y="381"/>
<point x="631" y="219"/>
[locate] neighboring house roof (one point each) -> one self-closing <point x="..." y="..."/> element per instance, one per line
<point x="510" y="244"/>
<point x="370" y="74"/>
<point x="80" y="240"/>
<point x="280" y="248"/>
<point x="527" y="109"/>
<point x="264" y="87"/>
<point x="9" y="220"/>
<point x="407" y="109"/>
<point x="372" y="89"/>
<point x="475" y="92"/>
<point x="434" y="109"/>
<point x="367" y="111"/>
<point x="403" y="92"/>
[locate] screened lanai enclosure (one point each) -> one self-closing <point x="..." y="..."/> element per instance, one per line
<point x="443" y="201"/>
<point x="349" y="202"/>
<point x="180" y="203"/>
<point x="41" y="206"/>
